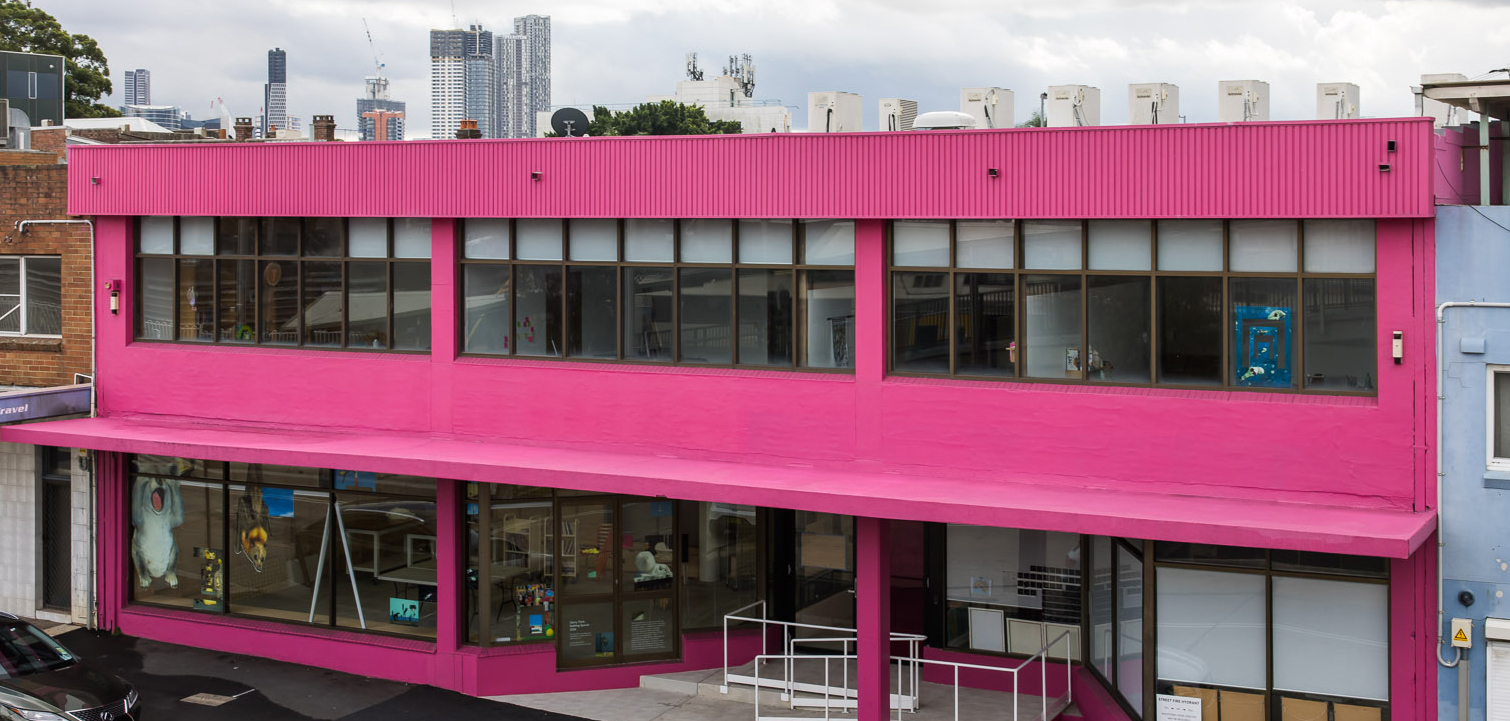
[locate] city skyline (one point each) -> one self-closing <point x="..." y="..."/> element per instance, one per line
<point x="611" y="54"/>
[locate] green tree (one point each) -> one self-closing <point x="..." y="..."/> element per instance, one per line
<point x="28" y="29"/>
<point x="666" y="117"/>
<point x="1035" y="121"/>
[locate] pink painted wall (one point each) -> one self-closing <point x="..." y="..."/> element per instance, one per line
<point x="1278" y="169"/>
<point x="1362" y="452"/>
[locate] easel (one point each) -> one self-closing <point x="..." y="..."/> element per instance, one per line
<point x="314" y="598"/>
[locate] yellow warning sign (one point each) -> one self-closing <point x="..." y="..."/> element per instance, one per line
<point x="1460" y="637"/>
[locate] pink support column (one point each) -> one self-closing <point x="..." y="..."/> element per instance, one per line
<point x="443" y="314"/>
<point x="448" y="561"/>
<point x="870" y="334"/>
<point x="873" y="615"/>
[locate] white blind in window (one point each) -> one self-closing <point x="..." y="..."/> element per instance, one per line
<point x="1497" y="686"/>
<point x="1331" y="637"/>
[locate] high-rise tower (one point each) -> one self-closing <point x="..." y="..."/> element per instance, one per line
<point x="275" y="92"/>
<point x="463" y="81"/>
<point x="138" y="87"/>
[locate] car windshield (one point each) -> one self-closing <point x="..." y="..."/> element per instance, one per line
<point x="25" y="650"/>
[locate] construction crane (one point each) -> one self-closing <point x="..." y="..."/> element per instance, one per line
<point x="377" y="63"/>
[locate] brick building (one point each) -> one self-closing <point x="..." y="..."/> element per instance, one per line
<point x="45" y="340"/>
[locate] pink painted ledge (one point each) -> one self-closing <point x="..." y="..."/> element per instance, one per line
<point x="1008" y="500"/>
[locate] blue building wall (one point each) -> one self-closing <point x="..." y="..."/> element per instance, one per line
<point x="1473" y="263"/>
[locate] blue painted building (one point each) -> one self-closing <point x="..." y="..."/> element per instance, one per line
<point x="1473" y="264"/>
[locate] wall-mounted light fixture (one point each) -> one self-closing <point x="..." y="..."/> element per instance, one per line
<point x="1384" y="167"/>
<point x="1397" y="347"/>
<point x="993" y="172"/>
<point x="94" y="180"/>
<point x="535" y="175"/>
<point x="114" y="286"/>
<point x="1390" y="145"/>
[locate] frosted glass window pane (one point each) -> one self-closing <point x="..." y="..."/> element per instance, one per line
<point x="765" y="241"/>
<point x="1339" y="246"/>
<point x="486" y="238"/>
<point x="984" y="243"/>
<point x="367" y="237"/>
<point x="1211" y="627"/>
<point x="538" y="238"/>
<point x="922" y="243"/>
<point x="707" y="240"/>
<point x="828" y="242"/>
<point x="594" y="239"/>
<point x="649" y="240"/>
<point x="1264" y="246"/>
<point x="1051" y="244"/>
<point x="1130" y="627"/>
<point x="1120" y="244"/>
<point x="157" y="234"/>
<point x="1190" y="245"/>
<point x="1331" y="637"/>
<point x="411" y="237"/>
<point x="196" y="236"/>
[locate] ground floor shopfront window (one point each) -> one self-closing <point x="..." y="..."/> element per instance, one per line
<point x="607" y="578"/>
<point x="298" y="545"/>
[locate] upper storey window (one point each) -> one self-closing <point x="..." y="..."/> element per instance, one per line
<point x="31" y="295"/>
<point x="312" y="282"/>
<point x="755" y="292"/>
<point x="1270" y="304"/>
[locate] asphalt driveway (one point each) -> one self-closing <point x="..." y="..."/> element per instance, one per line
<point x="257" y="689"/>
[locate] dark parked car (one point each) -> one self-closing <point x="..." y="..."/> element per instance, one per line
<point x="40" y="680"/>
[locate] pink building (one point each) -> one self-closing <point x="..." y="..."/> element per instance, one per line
<point x="516" y="416"/>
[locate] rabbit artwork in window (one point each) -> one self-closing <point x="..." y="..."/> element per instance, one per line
<point x="251" y="527"/>
<point x="157" y="508"/>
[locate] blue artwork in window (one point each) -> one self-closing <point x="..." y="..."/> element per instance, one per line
<point x="1261" y="350"/>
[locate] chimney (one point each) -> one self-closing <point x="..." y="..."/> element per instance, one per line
<point x="243" y="129"/>
<point x="468" y="130"/>
<point x="325" y="128"/>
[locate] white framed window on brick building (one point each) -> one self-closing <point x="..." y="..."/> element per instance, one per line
<point x="31" y="295"/>
<point x="1498" y="444"/>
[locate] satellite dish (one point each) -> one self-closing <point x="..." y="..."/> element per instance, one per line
<point x="569" y="123"/>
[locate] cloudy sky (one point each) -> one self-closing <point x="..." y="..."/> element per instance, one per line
<point x="619" y="51"/>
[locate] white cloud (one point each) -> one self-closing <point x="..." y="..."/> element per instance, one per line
<point x="619" y="51"/>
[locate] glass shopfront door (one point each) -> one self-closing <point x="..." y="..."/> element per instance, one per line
<point x="617" y="589"/>
<point x="824" y="575"/>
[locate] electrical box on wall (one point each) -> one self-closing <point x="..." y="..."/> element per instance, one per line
<point x="1462" y="633"/>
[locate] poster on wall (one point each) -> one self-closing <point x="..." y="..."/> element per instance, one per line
<point x="356" y="481"/>
<point x="1177" y="708"/>
<point x="1262" y="346"/>
<point x="403" y="611"/>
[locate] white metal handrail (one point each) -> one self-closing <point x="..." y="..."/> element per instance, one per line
<point x="788" y="639"/>
<point x="907" y="694"/>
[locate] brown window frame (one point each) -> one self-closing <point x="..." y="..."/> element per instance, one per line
<point x="1299" y="381"/>
<point x="797" y="268"/>
<point x="257" y="257"/>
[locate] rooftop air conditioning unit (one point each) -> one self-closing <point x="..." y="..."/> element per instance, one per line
<point x="1241" y="101"/>
<point x="1073" y="106"/>
<point x="991" y="107"/>
<point x="834" y="112"/>
<point x="897" y="114"/>
<point x="1153" y="104"/>
<point x="1336" y="101"/>
<point x="944" y="120"/>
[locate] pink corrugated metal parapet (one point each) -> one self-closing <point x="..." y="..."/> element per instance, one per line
<point x="1307" y="169"/>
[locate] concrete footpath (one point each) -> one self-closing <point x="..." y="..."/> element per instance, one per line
<point x="229" y="687"/>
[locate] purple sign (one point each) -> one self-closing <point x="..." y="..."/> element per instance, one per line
<point x="44" y="403"/>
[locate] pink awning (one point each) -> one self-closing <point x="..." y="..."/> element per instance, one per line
<point x="1011" y="501"/>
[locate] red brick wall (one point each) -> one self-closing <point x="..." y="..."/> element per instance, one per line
<point x="39" y="192"/>
<point x="52" y="140"/>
